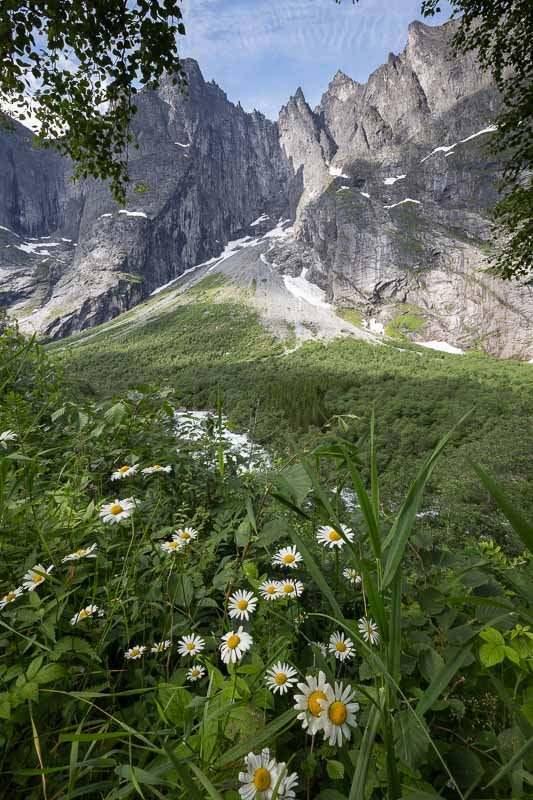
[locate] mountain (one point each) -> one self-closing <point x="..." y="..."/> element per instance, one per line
<point x="366" y="215"/>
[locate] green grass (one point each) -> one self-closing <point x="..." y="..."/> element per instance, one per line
<point x="201" y="347"/>
<point x="408" y="320"/>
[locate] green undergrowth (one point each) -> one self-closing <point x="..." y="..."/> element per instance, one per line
<point x="203" y="348"/>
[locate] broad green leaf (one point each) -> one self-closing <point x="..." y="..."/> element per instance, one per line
<point x="492" y="635"/>
<point x="411" y="741"/>
<point x="491" y="654"/>
<point x="335" y="770"/>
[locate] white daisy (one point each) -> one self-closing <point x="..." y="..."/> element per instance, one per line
<point x="195" y="673"/>
<point x="280" y="677"/>
<point x="81" y="552"/>
<point x="135" y="652"/>
<point x="331" y="538"/>
<point x="309" y="703"/>
<point x="322" y="647"/>
<point x="341" y="646"/>
<point x="160" y="647"/>
<point x="234" y="645"/>
<point x="338" y="714"/>
<point x="10" y="597"/>
<point x="352" y="575"/>
<point x="369" y="630"/>
<point x="184" y="535"/>
<point x="32" y="579"/>
<point x="261" y="776"/>
<point x="172" y="547"/>
<point x="287" y="786"/>
<point x="241" y="605"/>
<point x="156" y="468"/>
<point x="269" y="590"/>
<point x="7" y="436"/>
<point x="118" y="511"/>
<point x="85" y="613"/>
<point x="290" y="588"/>
<point x="287" y="557"/>
<point x="191" y="645"/>
<point x="124" y="472"/>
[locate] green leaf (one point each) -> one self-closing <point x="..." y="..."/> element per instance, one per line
<point x="411" y="741"/>
<point x="521" y="527"/>
<point x="491" y="654"/>
<point x="206" y="783"/>
<point x="442" y="679"/>
<point x="295" y="482"/>
<point x="492" y="635"/>
<point x="316" y="575"/>
<point x="265" y="735"/>
<point x="357" y="789"/>
<point x="526" y="748"/>
<point x="335" y="770"/>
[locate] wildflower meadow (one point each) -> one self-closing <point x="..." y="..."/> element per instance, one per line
<point x="175" y="624"/>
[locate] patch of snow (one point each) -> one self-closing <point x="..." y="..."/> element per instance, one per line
<point x="65" y="240"/>
<point x="304" y="290"/>
<point x="344" y="189"/>
<point x="105" y="215"/>
<point x="443" y="347"/>
<point x="197" y="426"/>
<point x="182" y="145"/>
<point x="443" y="149"/>
<point x="337" y="172"/>
<point x="407" y="200"/>
<point x="3" y="228"/>
<point x="179" y="277"/>
<point x="390" y="181"/>
<point x="365" y="194"/>
<point x="34" y="249"/>
<point x="280" y="232"/>
<point x="489" y="129"/>
<point x="133" y="213"/>
<point x="259" y="220"/>
<point x="374" y="326"/>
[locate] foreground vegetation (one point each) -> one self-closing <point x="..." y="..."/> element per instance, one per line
<point x="168" y="615"/>
<point x="202" y="348"/>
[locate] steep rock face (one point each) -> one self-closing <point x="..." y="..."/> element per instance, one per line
<point x="203" y="171"/>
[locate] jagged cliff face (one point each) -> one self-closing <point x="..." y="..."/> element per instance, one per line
<point x="388" y="184"/>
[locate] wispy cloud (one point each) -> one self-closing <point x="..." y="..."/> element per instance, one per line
<point x="261" y="50"/>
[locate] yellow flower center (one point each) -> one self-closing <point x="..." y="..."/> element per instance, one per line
<point x="195" y="672"/>
<point x="190" y="645"/>
<point x="80" y="552"/>
<point x="337" y="713"/>
<point x="10" y="597"/>
<point x="271" y="589"/>
<point x="289" y="558"/>
<point x="242" y="605"/>
<point x="37" y="578"/>
<point x="341" y="647"/>
<point x="184" y="535"/>
<point x="288" y="588"/>
<point x="233" y="641"/>
<point x="135" y="652"/>
<point x="122" y="470"/>
<point x="173" y="545"/>
<point x="333" y="536"/>
<point x="156" y="466"/>
<point x="262" y="779"/>
<point x="115" y="509"/>
<point x="83" y="613"/>
<point x="313" y="702"/>
<point x="280" y="678"/>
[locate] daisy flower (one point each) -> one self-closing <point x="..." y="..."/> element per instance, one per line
<point x="124" y="472"/>
<point x="234" y="645"/>
<point x="81" y="552"/>
<point x="160" y="647"/>
<point x="287" y="786"/>
<point x="172" y="547"/>
<point x="195" y="673"/>
<point x="10" y="597"/>
<point x="261" y="776"/>
<point x="352" y="576"/>
<point x="280" y="677"/>
<point x="309" y="702"/>
<point x="369" y="630"/>
<point x="184" y="535"/>
<point x="241" y="605"/>
<point x="191" y="645"/>
<point x="32" y="579"/>
<point x="287" y="557"/>
<point x="118" y="511"/>
<point x="135" y="652"/>
<point x="331" y="538"/>
<point x="7" y="436"/>
<point x="155" y="468"/>
<point x="341" y="646"/>
<point x="85" y="613"/>
<point x="270" y="590"/>
<point x="338" y="714"/>
<point x="290" y="588"/>
<point x="322" y="647"/>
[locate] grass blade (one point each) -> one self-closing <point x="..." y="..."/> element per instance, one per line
<point x="316" y="574"/>
<point x="524" y="750"/>
<point x="265" y="735"/>
<point x="357" y="789"/>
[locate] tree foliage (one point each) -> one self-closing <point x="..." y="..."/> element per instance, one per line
<point x="76" y="66"/>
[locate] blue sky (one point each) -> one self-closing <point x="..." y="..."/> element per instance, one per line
<point x="260" y="51"/>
